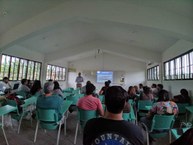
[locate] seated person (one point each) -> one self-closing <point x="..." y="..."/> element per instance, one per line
<point x="57" y="89"/>
<point x="112" y="129"/>
<point x="183" y="97"/>
<point x="5" y="85"/>
<point x="104" y="88"/>
<point x="89" y="102"/>
<point x="147" y="94"/>
<point x="164" y="106"/>
<point x="49" y="100"/>
<point x="83" y="89"/>
<point x="23" y="87"/>
<point x="36" y="88"/>
<point x="127" y="106"/>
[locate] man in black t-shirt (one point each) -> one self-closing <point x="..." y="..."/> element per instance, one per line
<point x="112" y="129"/>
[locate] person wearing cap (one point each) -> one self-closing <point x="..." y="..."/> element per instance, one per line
<point x="49" y="100"/>
<point x="111" y="128"/>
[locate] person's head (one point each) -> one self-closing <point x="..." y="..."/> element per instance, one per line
<point x="131" y="90"/>
<point x="6" y="80"/>
<point x="56" y="85"/>
<point x="163" y="96"/>
<point x="90" y="88"/>
<point x="140" y="86"/>
<point x="160" y="87"/>
<point x="24" y="81"/>
<point x="48" y="87"/>
<point x="115" y="99"/>
<point x="88" y="82"/>
<point x="36" y="87"/>
<point x="184" y="92"/>
<point x="106" y="84"/>
<point x="153" y="86"/>
<point x="79" y="74"/>
<point x="50" y="80"/>
<point x="109" y="81"/>
<point x="146" y="90"/>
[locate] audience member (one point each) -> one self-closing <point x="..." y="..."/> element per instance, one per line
<point x="132" y="93"/>
<point x="23" y="87"/>
<point x="36" y="88"/>
<point x="104" y="88"/>
<point x="154" y="90"/>
<point x="183" y="97"/>
<point x="29" y="83"/>
<point x="5" y="85"/>
<point x="83" y="89"/>
<point x="141" y="88"/>
<point x="164" y="106"/>
<point x="89" y="102"/>
<point x="112" y="129"/>
<point x="147" y="94"/>
<point x="49" y="100"/>
<point x="137" y="90"/>
<point x="57" y="89"/>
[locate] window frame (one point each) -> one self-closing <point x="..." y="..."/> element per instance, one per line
<point x="153" y="73"/>
<point x="182" y="69"/>
<point x="22" y="64"/>
<point x="58" y="76"/>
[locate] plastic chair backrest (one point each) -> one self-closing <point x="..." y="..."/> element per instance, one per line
<point x="182" y="107"/>
<point x="47" y="115"/>
<point x="102" y="98"/>
<point x="143" y="103"/>
<point x="85" y="115"/>
<point x="21" y="93"/>
<point x="162" y="122"/>
<point x="29" y="101"/>
<point x="126" y="116"/>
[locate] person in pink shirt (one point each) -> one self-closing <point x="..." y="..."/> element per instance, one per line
<point x="89" y="102"/>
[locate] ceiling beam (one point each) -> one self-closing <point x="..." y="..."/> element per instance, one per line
<point x="115" y="11"/>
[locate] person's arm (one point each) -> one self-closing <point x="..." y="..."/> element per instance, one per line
<point x="100" y="108"/>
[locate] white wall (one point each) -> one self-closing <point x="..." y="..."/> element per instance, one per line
<point x="178" y="48"/>
<point x="132" y="71"/>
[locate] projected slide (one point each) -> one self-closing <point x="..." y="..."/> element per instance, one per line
<point x="103" y="76"/>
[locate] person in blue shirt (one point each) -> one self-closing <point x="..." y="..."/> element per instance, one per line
<point x="49" y="100"/>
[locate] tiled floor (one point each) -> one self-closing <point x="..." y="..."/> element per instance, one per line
<point x="49" y="138"/>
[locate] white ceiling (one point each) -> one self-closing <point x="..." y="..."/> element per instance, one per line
<point x="73" y="29"/>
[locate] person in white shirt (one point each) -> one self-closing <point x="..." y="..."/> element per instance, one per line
<point x="5" y="85"/>
<point x="79" y="80"/>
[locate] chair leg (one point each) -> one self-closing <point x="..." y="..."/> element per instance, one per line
<point x="19" y="126"/>
<point x="64" y="126"/>
<point x="58" y="137"/>
<point x="5" y="136"/>
<point x="170" y="136"/>
<point x="36" y="132"/>
<point x="76" y="133"/>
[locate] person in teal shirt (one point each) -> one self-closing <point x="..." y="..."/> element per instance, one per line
<point x="49" y="100"/>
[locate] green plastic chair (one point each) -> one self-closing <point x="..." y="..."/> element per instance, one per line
<point x="83" y="117"/>
<point x="74" y="98"/>
<point x="130" y="116"/>
<point x="142" y="110"/>
<point x="161" y="126"/>
<point x="182" y="111"/>
<point x="102" y="99"/>
<point x="27" y="108"/>
<point x="48" y="120"/>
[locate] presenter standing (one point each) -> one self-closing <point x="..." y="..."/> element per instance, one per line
<point x="79" y="80"/>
